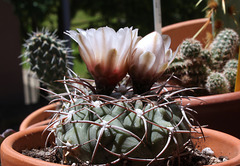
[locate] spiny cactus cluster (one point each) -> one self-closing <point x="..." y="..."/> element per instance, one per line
<point x="191" y="64"/>
<point x="99" y="129"/>
<point x="196" y="66"/>
<point x="47" y="56"/>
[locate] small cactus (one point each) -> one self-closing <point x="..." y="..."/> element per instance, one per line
<point x="217" y="83"/>
<point x="223" y="47"/>
<point x="47" y="56"/>
<point x="190" y="48"/>
<point x="230" y="74"/>
<point x="232" y="63"/>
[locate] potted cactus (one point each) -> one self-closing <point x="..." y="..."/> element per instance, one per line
<point x="120" y="118"/>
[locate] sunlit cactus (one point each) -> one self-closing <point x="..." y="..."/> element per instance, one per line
<point x="47" y="56"/>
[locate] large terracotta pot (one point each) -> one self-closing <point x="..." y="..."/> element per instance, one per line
<point x="38" y="117"/>
<point x="222" y="144"/>
<point x="219" y="112"/>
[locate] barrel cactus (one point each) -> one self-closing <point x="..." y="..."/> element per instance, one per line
<point x="126" y="125"/>
<point x="47" y="56"/>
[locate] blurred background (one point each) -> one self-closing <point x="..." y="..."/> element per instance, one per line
<point x="18" y="18"/>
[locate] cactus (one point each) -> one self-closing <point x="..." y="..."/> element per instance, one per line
<point x="230" y="74"/>
<point x="95" y="127"/>
<point x="217" y="83"/>
<point x="98" y="129"/>
<point x="223" y="47"/>
<point x="190" y="48"/>
<point x="191" y="64"/>
<point x="232" y="63"/>
<point x="47" y="56"/>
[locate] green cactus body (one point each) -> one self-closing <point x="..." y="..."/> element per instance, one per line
<point x="223" y="47"/>
<point x="190" y="48"/>
<point x="136" y="129"/>
<point x="217" y="83"/>
<point x="47" y="56"/>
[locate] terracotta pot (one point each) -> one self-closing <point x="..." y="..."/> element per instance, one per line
<point x="222" y="144"/>
<point x="219" y="112"/>
<point x="38" y="117"/>
<point x="186" y="29"/>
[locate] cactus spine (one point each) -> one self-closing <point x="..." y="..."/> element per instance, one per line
<point x="47" y="56"/>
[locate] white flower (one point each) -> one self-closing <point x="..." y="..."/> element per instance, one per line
<point x="105" y="53"/>
<point x="148" y="61"/>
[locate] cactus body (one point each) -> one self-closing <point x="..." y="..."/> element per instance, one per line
<point x="217" y="83"/>
<point x="103" y="133"/>
<point x="47" y="56"/>
<point x="223" y="47"/>
<point x="230" y="74"/>
<point x="232" y="63"/>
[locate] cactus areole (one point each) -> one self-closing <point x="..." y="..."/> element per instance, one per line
<point x="120" y="121"/>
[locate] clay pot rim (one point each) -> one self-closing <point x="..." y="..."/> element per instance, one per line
<point x="212" y="99"/>
<point x="9" y="141"/>
<point x="28" y="121"/>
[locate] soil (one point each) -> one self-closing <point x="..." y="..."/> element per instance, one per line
<point x="190" y="157"/>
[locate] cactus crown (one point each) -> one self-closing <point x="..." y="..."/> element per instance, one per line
<point x="47" y="56"/>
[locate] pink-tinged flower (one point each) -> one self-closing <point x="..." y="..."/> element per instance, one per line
<point x="148" y="61"/>
<point x="105" y="53"/>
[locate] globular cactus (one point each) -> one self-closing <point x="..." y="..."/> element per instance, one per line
<point x="98" y="129"/>
<point x="217" y="83"/>
<point x="230" y="74"/>
<point x="232" y="63"/>
<point x="190" y="48"/>
<point x="223" y="47"/>
<point x="47" y="56"/>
